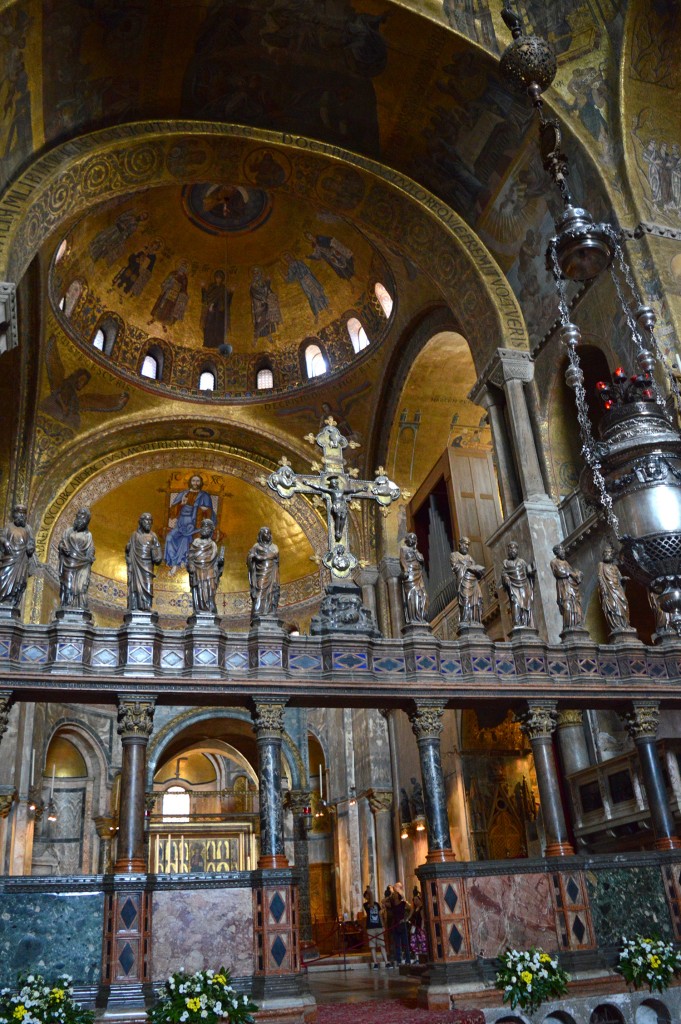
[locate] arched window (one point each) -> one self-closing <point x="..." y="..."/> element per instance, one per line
<point x="149" y="367"/>
<point x="358" y="336"/>
<point x="265" y="379"/>
<point x="207" y="381"/>
<point x="315" y="363"/>
<point x="73" y="293"/>
<point x="176" y="804"/>
<point x="106" y="333"/>
<point x="98" y="340"/>
<point x="62" y="303"/>
<point x="61" y="251"/>
<point x="384" y="297"/>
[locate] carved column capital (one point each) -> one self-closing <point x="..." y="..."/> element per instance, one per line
<point x="390" y="568"/>
<point x="6" y="801"/>
<point x="299" y="801"/>
<point x="6" y="700"/>
<point x="104" y="827"/>
<point x="380" y="800"/>
<point x="426" y="719"/>
<point x="569" y="716"/>
<point x="539" y="721"/>
<point x="642" y="721"/>
<point x="135" y="717"/>
<point x="268" y="717"/>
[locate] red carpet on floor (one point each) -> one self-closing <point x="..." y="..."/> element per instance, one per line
<point x="392" y="1011"/>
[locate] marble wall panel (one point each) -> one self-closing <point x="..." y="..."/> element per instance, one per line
<point x="51" y="934"/>
<point x="199" y="929"/>
<point x="628" y="901"/>
<point x="510" y="911"/>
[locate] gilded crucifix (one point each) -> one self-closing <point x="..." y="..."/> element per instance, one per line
<point x="338" y="489"/>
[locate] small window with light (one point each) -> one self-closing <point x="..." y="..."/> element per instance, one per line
<point x="358" y="336"/>
<point x="207" y="381"/>
<point x="265" y="379"/>
<point x="315" y="363"/>
<point x="149" y="367"/>
<point x="385" y="298"/>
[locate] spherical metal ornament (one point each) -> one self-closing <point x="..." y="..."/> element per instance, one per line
<point x="583" y="249"/>
<point x="571" y="335"/>
<point x="646" y="361"/>
<point x="225" y="349"/>
<point x="526" y="60"/>
<point x="573" y="376"/>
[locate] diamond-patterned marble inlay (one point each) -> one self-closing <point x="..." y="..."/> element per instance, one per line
<point x="389" y="664"/>
<point x="450" y="898"/>
<point x="206" y="656"/>
<point x="610" y="669"/>
<point x="455" y="938"/>
<point x="236" y="660"/>
<point x="657" y="669"/>
<point x="425" y="662"/>
<point x="128" y="912"/>
<point x="68" y="652"/>
<point x="535" y="664"/>
<point x="557" y="668"/>
<point x="572" y="889"/>
<point x="638" y="667"/>
<point x="105" y="657"/>
<point x="578" y="929"/>
<point x="171" y="659"/>
<point x="278" y="950"/>
<point x="450" y="668"/>
<point x="127" y="958"/>
<point x="358" y="661"/>
<point x="302" y="662"/>
<point x="482" y="665"/>
<point x="270" y="659"/>
<point x="33" y="652"/>
<point x="587" y="666"/>
<point x="4" y="649"/>
<point x="505" y="667"/>
<point x="277" y="907"/>
<point x="140" y="655"/>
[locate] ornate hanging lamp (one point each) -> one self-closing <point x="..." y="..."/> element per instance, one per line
<point x="634" y="467"/>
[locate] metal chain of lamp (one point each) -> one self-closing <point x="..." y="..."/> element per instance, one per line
<point x="634" y="468"/>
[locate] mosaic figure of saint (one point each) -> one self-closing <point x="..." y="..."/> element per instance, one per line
<point x="188" y="510"/>
<point x="66" y="401"/>
<point x="108" y="243"/>
<point x="265" y="306"/>
<point x="171" y="304"/>
<point x="299" y="272"/>
<point x="216" y="301"/>
<point x="134" y="276"/>
<point x="338" y="256"/>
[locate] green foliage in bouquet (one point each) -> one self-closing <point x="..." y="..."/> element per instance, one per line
<point x="202" y="998"/>
<point x="34" y="1001"/>
<point x="530" y="977"/>
<point x="650" y="962"/>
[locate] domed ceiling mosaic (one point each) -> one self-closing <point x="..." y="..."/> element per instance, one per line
<point x="224" y="277"/>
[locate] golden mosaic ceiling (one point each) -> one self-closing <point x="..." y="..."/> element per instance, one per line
<point x="226" y="277"/>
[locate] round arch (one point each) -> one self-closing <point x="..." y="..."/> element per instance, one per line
<point x="90" y="746"/>
<point x="118" y="161"/>
<point x="176" y="726"/>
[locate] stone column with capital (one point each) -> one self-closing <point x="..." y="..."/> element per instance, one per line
<point x="535" y="523"/>
<point x="642" y="723"/>
<point x="268" y="722"/>
<point x="106" y="829"/>
<point x="135" y="724"/>
<point x="572" y="741"/>
<point x="381" y="804"/>
<point x="126" y="962"/>
<point x="366" y="577"/>
<point x="538" y="723"/>
<point x="300" y="802"/>
<point x="426" y="723"/>
<point x="391" y="573"/>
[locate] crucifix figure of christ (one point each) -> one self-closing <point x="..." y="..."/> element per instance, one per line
<point x="338" y="488"/>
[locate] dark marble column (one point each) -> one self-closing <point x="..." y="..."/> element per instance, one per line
<point x="300" y="803"/>
<point x="642" y="723"/>
<point x="6" y="698"/>
<point x="538" y="723"/>
<point x="268" y="722"/>
<point x="135" y="722"/>
<point x="426" y="722"/>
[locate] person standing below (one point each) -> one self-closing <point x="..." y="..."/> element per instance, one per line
<point x="374" y="926"/>
<point x="417" y="933"/>
<point x="400" y="934"/>
<point x="387" y="905"/>
<point x="142" y="553"/>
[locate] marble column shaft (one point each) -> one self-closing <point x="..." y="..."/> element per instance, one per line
<point x="572" y="741"/>
<point x="301" y="799"/>
<point x="426" y="723"/>
<point x="642" y="725"/>
<point x="268" y="722"/>
<point x="527" y="460"/>
<point x="391" y="572"/>
<point x="538" y="723"/>
<point x="381" y="804"/>
<point x="491" y="400"/>
<point x="135" y="723"/>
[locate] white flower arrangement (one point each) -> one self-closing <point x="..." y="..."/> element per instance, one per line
<point x="36" y="1002"/>
<point x="206" y="997"/>
<point x="648" y="962"/>
<point x="529" y="977"/>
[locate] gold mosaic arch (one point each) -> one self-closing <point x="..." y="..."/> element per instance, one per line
<point x="109" y="472"/>
<point x="410" y="219"/>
